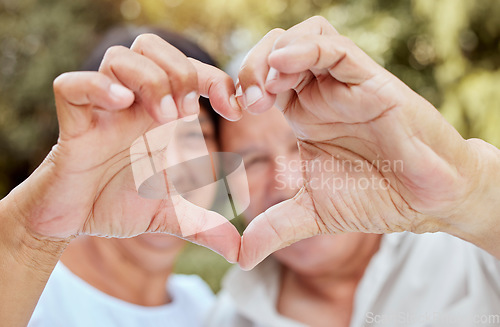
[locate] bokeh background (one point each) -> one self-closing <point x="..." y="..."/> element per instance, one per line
<point x="446" y="50"/>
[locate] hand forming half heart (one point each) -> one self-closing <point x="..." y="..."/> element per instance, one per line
<point x="403" y="167"/>
<point x="86" y="185"/>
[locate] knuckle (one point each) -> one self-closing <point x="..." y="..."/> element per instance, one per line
<point x="97" y="81"/>
<point x="140" y="40"/>
<point x="319" y="20"/>
<point x="158" y="79"/>
<point x="325" y="27"/>
<point x="346" y="41"/>
<point x="113" y="52"/>
<point x="282" y="41"/>
<point x="143" y="40"/>
<point x="275" y="32"/>
<point x="60" y="81"/>
<point x="192" y="75"/>
<point x="184" y="76"/>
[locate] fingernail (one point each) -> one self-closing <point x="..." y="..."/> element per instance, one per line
<point x="234" y="103"/>
<point x="239" y="97"/>
<point x="252" y="95"/>
<point x="272" y="75"/>
<point x="239" y="91"/>
<point x="168" y="107"/>
<point x="190" y="104"/>
<point x="118" y="91"/>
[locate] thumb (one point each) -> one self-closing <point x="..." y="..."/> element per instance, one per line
<point x="279" y="226"/>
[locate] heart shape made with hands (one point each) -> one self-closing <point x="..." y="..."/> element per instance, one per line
<point x="110" y="175"/>
<point x="345" y="108"/>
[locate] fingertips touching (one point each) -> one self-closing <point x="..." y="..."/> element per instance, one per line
<point x="219" y="88"/>
<point x="255" y="98"/>
<point x="253" y="95"/>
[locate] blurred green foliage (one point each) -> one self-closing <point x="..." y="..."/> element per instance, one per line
<point x="38" y="41"/>
<point x="446" y="50"/>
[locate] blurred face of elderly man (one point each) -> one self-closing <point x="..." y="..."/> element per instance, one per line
<point x="271" y="157"/>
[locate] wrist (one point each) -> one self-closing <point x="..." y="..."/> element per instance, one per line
<point x="27" y="260"/>
<point x="26" y="248"/>
<point x="476" y="219"/>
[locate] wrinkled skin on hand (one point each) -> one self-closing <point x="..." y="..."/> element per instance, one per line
<point x="86" y="185"/>
<point x="403" y="167"/>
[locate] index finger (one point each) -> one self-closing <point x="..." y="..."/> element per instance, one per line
<point x="181" y="73"/>
<point x="253" y="72"/>
<point x="219" y="88"/>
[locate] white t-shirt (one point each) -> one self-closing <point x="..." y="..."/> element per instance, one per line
<point x="428" y="280"/>
<point x="69" y="301"/>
